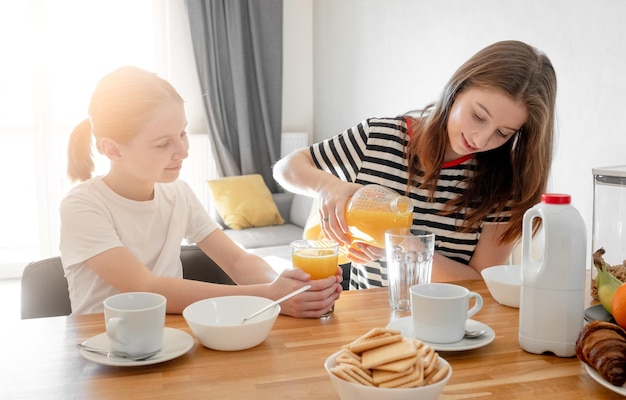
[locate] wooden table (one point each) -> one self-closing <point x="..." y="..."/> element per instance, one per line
<point x="39" y="360"/>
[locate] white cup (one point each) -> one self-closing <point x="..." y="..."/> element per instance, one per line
<point x="135" y="322"/>
<point x="440" y="311"/>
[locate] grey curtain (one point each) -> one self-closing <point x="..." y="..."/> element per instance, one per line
<point x="238" y="50"/>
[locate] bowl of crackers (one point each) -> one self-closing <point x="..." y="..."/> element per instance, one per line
<point x="382" y="364"/>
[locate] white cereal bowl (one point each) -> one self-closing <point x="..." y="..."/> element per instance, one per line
<point x="504" y="283"/>
<point x="217" y="322"/>
<point x="355" y="391"/>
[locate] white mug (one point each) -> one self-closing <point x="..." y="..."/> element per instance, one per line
<point x="440" y="311"/>
<point x="135" y="322"/>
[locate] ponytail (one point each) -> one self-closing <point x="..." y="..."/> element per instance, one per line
<point x="80" y="164"/>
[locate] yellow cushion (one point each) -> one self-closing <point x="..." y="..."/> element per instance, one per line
<point x="244" y="202"/>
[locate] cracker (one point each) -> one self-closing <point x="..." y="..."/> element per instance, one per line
<point x="379" y="375"/>
<point x="431" y="364"/>
<point x="425" y="351"/>
<point x="352" y="373"/>
<point x="399" y="365"/>
<point x="415" y="378"/>
<point x="385" y="354"/>
<point x="375" y="338"/>
<point x="438" y="375"/>
<point x="377" y="331"/>
<point x="348" y="357"/>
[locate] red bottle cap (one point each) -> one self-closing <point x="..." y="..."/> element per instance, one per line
<point x="556" y="198"/>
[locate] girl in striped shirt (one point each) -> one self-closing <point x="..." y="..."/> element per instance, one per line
<point x="472" y="162"/>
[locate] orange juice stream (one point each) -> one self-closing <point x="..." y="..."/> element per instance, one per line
<point x="319" y="263"/>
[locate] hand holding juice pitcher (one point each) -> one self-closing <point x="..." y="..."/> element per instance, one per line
<point x="369" y="213"/>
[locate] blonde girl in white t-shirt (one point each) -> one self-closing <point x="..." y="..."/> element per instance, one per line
<point x="122" y="232"/>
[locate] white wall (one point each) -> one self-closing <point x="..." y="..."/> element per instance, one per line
<point x="385" y="57"/>
<point x="298" y="67"/>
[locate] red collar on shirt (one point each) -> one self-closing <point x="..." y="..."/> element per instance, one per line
<point x="456" y="162"/>
<point x="448" y="164"/>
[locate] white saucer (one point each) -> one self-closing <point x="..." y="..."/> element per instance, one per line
<point x="175" y="344"/>
<point x="405" y="325"/>
<point x="598" y="378"/>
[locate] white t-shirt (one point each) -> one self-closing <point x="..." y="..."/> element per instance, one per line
<point x="95" y="219"/>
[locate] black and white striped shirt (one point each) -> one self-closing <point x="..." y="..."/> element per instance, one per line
<point x="373" y="152"/>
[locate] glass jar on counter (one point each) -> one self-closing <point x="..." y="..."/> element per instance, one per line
<point x="609" y="221"/>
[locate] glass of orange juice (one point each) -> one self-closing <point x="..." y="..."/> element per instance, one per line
<point x="318" y="258"/>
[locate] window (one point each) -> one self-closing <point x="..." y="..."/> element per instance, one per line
<point x="53" y="53"/>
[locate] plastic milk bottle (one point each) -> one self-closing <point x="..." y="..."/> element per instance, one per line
<point x="552" y="292"/>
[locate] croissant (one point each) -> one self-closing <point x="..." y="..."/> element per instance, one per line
<point x="602" y="346"/>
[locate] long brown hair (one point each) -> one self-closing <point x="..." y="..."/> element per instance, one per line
<point x="514" y="174"/>
<point x="121" y="103"/>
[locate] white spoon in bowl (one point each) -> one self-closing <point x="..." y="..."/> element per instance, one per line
<point x="272" y="304"/>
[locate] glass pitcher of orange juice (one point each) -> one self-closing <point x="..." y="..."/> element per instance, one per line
<point x="372" y="210"/>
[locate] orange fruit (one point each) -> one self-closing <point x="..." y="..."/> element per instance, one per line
<point x="618" y="306"/>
